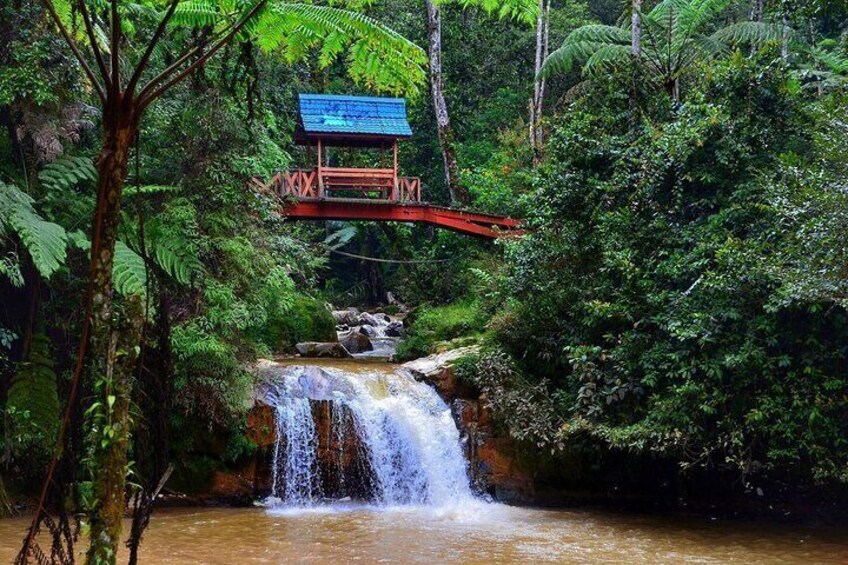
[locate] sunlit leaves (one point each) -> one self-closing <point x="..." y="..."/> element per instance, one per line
<point x="376" y="56"/>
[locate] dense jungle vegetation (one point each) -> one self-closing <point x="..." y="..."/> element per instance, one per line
<point x="679" y="295"/>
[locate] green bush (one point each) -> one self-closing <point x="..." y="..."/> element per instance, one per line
<point x="307" y="320"/>
<point x="435" y="324"/>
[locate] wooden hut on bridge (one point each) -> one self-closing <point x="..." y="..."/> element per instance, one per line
<point x="361" y="193"/>
<point x="326" y="120"/>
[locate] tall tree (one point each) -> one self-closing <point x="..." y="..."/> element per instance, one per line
<point x="524" y="10"/>
<point x="543" y="30"/>
<point x="117" y="79"/>
<point x="458" y="193"/>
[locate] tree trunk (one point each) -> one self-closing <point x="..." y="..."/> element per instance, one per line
<point x="458" y="193"/>
<point x="114" y="339"/>
<point x="636" y="29"/>
<point x="636" y="54"/>
<point x="757" y="11"/>
<point x="784" y="33"/>
<point x="542" y="38"/>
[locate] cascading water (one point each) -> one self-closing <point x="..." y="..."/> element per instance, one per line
<point x="374" y="435"/>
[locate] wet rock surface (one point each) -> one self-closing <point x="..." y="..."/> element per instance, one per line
<point x="356" y="342"/>
<point x="322" y="350"/>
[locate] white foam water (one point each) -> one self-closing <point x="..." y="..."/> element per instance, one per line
<point x="407" y="440"/>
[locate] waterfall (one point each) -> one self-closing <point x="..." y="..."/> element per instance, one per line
<point x="372" y="435"/>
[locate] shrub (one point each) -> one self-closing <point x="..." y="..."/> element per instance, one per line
<point x="435" y="324"/>
<point x="307" y="320"/>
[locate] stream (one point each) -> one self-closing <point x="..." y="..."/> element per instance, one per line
<point x="368" y="467"/>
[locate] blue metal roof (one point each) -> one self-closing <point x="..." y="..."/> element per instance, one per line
<point x="353" y="115"/>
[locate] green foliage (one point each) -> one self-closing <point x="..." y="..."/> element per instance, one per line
<point x="32" y="407"/>
<point x="377" y="56"/>
<point x="63" y="174"/>
<point x="675" y="39"/>
<point x="434" y="324"/>
<point x="44" y="240"/>
<point x="649" y="299"/>
<point x="306" y="320"/>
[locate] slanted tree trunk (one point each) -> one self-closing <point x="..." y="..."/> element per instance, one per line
<point x="114" y="337"/>
<point x="458" y="192"/>
<point x="542" y="41"/>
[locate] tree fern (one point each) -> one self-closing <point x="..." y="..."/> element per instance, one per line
<point x="32" y="406"/>
<point x="674" y="40"/>
<point x="377" y="56"/>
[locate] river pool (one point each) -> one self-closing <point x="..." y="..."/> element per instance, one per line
<point x="477" y="533"/>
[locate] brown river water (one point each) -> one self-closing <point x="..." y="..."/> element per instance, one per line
<point x="480" y="534"/>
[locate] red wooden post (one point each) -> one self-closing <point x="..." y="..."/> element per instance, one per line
<point x="395" y="168"/>
<point x="320" y="176"/>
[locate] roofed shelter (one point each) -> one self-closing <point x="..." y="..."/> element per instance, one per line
<point x="352" y="121"/>
<point x="324" y="193"/>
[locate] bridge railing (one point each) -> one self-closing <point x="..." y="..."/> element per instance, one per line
<point x="321" y="184"/>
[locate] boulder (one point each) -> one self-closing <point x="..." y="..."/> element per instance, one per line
<point x="394" y="329"/>
<point x="437" y="370"/>
<point x="349" y="317"/>
<point x="322" y="349"/>
<point x="368" y="330"/>
<point x="368" y="319"/>
<point x="356" y="342"/>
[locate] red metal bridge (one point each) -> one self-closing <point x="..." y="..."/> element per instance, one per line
<point x="356" y="193"/>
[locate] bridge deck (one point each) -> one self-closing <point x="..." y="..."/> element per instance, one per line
<point x="473" y="223"/>
<point x="309" y="195"/>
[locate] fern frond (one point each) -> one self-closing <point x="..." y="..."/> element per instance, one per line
<point x="520" y="10"/>
<point x="756" y="33"/>
<point x="606" y="59"/>
<point x="196" y="13"/>
<point x="67" y="172"/>
<point x="128" y="272"/>
<point x="177" y="260"/>
<point x="564" y="59"/>
<point x="599" y="33"/>
<point x="32" y="405"/>
<point x="150" y="189"/>
<point x="45" y="241"/>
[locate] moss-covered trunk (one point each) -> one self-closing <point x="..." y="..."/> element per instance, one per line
<point x="115" y="333"/>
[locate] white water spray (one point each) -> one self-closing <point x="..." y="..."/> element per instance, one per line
<point x="387" y="439"/>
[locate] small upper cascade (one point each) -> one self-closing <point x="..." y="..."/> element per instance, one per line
<point x="368" y="335"/>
